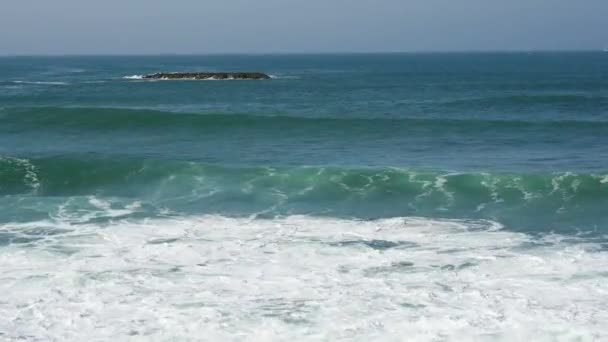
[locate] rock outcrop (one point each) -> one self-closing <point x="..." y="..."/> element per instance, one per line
<point x="208" y="76"/>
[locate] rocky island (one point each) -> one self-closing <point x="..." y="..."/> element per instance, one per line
<point x="207" y="76"/>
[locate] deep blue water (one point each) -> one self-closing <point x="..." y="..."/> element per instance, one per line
<point x="518" y="138"/>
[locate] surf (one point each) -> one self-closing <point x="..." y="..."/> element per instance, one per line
<point x="539" y="201"/>
<point x="222" y="276"/>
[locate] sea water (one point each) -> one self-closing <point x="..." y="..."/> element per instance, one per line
<point x="358" y="197"/>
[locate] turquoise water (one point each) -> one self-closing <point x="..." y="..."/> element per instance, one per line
<point x="382" y="169"/>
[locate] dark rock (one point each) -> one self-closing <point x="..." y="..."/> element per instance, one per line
<point x="207" y="76"/>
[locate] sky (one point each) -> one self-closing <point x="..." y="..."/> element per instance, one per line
<point x="304" y="26"/>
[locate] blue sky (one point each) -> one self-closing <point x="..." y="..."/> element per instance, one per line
<point x="284" y="26"/>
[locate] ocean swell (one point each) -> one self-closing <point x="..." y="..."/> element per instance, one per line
<point x="360" y="192"/>
<point x="93" y="118"/>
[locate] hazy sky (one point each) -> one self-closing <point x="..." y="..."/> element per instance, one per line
<point x="259" y="26"/>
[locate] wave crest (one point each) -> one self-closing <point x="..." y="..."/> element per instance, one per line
<point x="368" y="193"/>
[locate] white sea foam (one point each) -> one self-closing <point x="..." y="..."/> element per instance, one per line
<point x="217" y="278"/>
<point x="133" y="77"/>
<point x="72" y="212"/>
<point x="212" y="78"/>
<point x="283" y="77"/>
<point x="439" y="185"/>
<point x="30" y="176"/>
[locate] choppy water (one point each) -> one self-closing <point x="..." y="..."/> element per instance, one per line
<point x="434" y="196"/>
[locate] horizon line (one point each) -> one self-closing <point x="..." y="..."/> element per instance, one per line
<point x="285" y="53"/>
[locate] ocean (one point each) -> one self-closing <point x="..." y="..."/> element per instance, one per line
<point x="445" y="196"/>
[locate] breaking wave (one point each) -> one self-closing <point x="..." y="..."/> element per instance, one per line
<point x="364" y="192"/>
